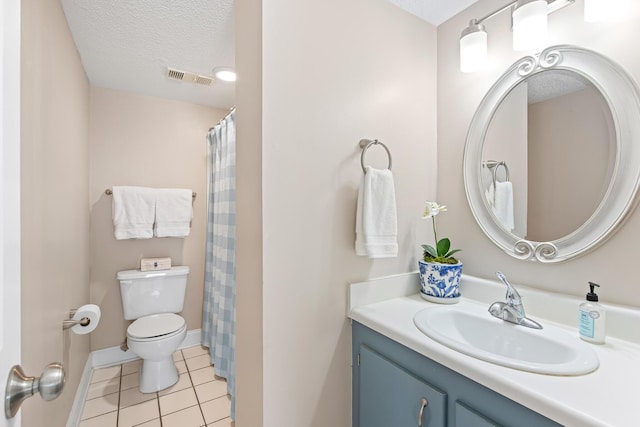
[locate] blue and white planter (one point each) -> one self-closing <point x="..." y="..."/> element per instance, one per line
<point x="440" y="282"/>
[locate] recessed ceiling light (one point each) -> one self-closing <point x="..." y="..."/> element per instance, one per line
<point x="226" y="74"/>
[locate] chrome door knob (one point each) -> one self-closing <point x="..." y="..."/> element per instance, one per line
<point x="20" y="387"/>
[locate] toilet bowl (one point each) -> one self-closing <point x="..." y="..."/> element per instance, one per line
<point x="154" y="338"/>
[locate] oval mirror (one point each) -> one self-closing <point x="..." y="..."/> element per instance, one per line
<point x="550" y="168"/>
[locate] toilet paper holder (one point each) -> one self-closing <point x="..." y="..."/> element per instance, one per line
<point x="66" y="324"/>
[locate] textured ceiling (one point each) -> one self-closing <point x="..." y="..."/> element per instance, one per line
<point x="128" y="45"/>
<point x="434" y="11"/>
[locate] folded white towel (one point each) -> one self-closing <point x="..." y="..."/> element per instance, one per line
<point x="133" y="211"/>
<point x="174" y="211"/>
<point x="503" y="204"/>
<point x="376" y="217"/>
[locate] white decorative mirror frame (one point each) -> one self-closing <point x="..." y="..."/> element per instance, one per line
<point x="623" y="98"/>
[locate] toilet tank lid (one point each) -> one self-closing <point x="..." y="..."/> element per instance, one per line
<point x="137" y="274"/>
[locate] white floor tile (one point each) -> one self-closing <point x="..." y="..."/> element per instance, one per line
<point x="190" y="417"/>
<point x="183" y="382"/>
<point x="176" y="401"/>
<point x="105" y="374"/>
<point x="133" y="396"/>
<point x="198" y="362"/>
<point x="194" y="351"/>
<point x="138" y="414"/>
<point x="217" y="409"/>
<point x="98" y="406"/>
<point x="226" y="422"/>
<point x="204" y="375"/>
<point x="152" y="423"/>
<point x="103" y="388"/>
<point x="130" y="381"/>
<point x="131" y="367"/>
<point x="198" y="399"/>
<point x="181" y="367"/>
<point x="106" y="420"/>
<point x="211" y="390"/>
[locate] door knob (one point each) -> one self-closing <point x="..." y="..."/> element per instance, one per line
<point x="20" y="387"/>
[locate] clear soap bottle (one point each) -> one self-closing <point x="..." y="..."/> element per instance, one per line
<point x="592" y="318"/>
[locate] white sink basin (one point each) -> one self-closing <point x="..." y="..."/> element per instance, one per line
<point x="468" y="328"/>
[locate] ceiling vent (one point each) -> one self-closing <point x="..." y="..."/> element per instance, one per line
<point x="190" y="77"/>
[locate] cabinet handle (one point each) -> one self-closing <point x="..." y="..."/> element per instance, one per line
<point x="424" y="404"/>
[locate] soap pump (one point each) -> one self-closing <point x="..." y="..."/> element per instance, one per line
<point x="592" y="318"/>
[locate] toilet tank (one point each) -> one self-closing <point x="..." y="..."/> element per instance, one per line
<point x="152" y="292"/>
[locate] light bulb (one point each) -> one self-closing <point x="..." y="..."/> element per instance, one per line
<point x="473" y="48"/>
<point x="529" y="25"/>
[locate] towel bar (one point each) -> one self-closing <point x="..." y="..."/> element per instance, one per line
<point x="109" y="192"/>
<point x="365" y="144"/>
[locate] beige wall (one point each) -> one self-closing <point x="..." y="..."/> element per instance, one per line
<point x="570" y="163"/>
<point x="249" y="247"/>
<point x="459" y="95"/>
<point x="507" y="142"/>
<point x="55" y="203"/>
<point x="333" y="73"/>
<point x="152" y="142"/>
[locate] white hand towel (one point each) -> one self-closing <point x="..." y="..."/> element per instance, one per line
<point x="503" y="204"/>
<point x="133" y="210"/>
<point x="174" y="211"/>
<point x="376" y="217"/>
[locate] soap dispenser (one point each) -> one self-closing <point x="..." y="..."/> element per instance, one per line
<point x="592" y="318"/>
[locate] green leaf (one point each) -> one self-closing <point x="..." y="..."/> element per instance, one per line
<point x="443" y="246"/>
<point x="430" y="250"/>
<point x="452" y="252"/>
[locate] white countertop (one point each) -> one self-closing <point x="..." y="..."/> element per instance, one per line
<point x="607" y="397"/>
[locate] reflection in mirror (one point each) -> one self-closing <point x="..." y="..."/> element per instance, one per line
<point x="575" y="180"/>
<point x="548" y="155"/>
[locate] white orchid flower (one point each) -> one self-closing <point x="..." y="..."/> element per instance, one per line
<point x="432" y="209"/>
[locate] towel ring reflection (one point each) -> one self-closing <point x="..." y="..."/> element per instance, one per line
<point x="365" y="144"/>
<point x="493" y="165"/>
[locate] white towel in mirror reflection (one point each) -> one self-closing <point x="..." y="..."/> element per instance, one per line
<point x="501" y="200"/>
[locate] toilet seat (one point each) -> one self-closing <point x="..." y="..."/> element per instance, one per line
<point x="156" y="326"/>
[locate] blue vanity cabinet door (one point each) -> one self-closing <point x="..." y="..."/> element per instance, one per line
<point x="466" y="417"/>
<point x="376" y="390"/>
<point x="392" y="397"/>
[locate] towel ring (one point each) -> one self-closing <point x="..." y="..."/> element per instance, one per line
<point x="365" y="144"/>
<point x="493" y="165"/>
<point x="495" y="172"/>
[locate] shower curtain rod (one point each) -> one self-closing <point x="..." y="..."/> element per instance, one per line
<point x="225" y="116"/>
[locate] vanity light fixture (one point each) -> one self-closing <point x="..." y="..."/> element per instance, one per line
<point x="226" y="74"/>
<point x="529" y="25"/>
<point x="596" y="10"/>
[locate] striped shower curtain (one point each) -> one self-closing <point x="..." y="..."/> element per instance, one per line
<point x="219" y="306"/>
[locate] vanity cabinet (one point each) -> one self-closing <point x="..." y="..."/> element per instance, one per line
<point x="390" y="382"/>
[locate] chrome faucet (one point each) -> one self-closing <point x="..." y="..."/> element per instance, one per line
<point x="512" y="310"/>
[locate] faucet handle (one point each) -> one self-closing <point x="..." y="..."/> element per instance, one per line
<point x="512" y="296"/>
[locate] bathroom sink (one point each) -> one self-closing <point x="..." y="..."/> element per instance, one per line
<point x="468" y="328"/>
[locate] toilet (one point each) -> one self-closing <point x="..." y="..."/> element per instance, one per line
<point x="151" y="299"/>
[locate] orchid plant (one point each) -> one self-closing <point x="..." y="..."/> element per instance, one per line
<point x="441" y="253"/>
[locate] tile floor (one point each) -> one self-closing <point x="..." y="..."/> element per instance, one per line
<point x="198" y="398"/>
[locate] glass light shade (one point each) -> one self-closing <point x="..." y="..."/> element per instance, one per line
<point x="473" y="51"/>
<point x="226" y="74"/>
<point x="530" y="25"/>
<point x="597" y="10"/>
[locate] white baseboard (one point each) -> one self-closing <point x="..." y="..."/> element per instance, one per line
<point x="109" y="357"/>
<point x="81" y="394"/>
<point x="114" y="355"/>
